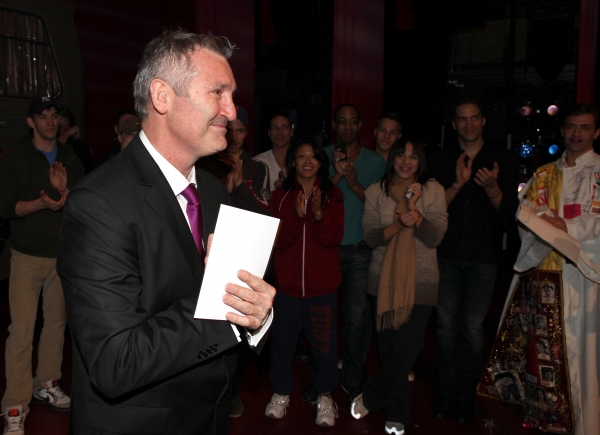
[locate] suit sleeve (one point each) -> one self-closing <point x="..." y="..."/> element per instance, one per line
<point x="127" y="339"/>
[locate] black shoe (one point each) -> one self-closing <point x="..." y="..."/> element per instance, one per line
<point x="310" y="395"/>
<point x="441" y="407"/>
<point x="352" y="392"/>
<point x="301" y="353"/>
<point x="463" y="411"/>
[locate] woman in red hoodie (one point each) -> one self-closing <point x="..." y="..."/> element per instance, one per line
<point x="307" y="275"/>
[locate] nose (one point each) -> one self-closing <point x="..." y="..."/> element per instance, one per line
<point x="228" y="108"/>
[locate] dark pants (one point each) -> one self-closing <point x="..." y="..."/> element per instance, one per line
<point x="464" y="298"/>
<point x="357" y="325"/>
<point x="317" y="317"/>
<point x="398" y="350"/>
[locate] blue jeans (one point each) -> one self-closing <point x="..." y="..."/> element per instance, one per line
<point x="464" y="298"/>
<point x="357" y="325"/>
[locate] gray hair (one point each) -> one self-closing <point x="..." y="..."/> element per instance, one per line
<point x="168" y="57"/>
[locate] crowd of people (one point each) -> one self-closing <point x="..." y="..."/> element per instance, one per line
<point x="397" y="234"/>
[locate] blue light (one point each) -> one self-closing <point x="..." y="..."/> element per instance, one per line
<point x="526" y="150"/>
<point x="553" y="150"/>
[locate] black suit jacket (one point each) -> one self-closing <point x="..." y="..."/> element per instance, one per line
<point x="131" y="275"/>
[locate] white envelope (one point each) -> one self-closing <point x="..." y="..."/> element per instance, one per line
<point x="242" y="240"/>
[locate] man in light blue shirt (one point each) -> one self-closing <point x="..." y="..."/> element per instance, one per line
<point x="353" y="169"/>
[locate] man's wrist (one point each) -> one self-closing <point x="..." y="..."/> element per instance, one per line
<point x="457" y="186"/>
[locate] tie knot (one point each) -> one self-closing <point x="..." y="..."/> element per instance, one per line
<point x="191" y="195"/>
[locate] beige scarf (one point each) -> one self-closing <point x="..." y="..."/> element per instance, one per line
<point x="396" y="295"/>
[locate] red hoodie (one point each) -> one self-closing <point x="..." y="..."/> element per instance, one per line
<point x="307" y="251"/>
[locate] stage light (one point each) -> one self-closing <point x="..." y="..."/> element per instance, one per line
<point x="526" y="110"/>
<point x="526" y="150"/>
<point x="552" y="110"/>
<point x="553" y="149"/>
<point x="521" y="186"/>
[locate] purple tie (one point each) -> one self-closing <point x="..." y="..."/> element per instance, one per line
<point x="194" y="212"/>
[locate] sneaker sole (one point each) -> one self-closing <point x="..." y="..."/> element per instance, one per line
<point x="325" y="424"/>
<point x="47" y="402"/>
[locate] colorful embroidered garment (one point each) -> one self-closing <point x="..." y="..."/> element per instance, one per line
<point x="546" y="354"/>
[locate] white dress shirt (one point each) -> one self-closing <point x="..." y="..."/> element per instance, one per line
<point x="178" y="184"/>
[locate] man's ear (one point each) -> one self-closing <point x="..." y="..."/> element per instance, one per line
<point x="596" y="133"/>
<point x="30" y="122"/>
<point x="160" y="95"/>
<point x="116" y="129"/>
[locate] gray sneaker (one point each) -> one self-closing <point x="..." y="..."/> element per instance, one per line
<point x="357" y="409"/>
<point x="394" y="428"/>
<point x="52" y="394"/>
<point x="14" y="418"/>
<point x="277" y="406"/>
<point x="326" y="410"/>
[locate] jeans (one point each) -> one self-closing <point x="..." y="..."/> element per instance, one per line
<point x="464" y="298"/>
<point x="398" y="351"/>
<point x="357" y="320"/>
<point x="28" y="276"/>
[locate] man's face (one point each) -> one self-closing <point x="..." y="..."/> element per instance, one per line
<point x="64" y="124"/>
<point x="386" y="134"/>
<point x="236" y="133"/>
<point x="280" y="131"/>
<point x="346" y="125"/>
<point x="45" y="125"/>
<point x="579" y="133"/>
<point x="122" y="119"/>
<point x="198" y="123"/>
<point x="468" y="122"/>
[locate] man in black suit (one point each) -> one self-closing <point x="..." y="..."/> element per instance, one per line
<point x="131" y="267"/>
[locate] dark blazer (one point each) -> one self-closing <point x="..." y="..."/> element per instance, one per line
<point x="131" y="275"/>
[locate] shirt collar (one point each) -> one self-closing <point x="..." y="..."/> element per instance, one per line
<point x="579" y="160"/>
<point x="175" y="178"/>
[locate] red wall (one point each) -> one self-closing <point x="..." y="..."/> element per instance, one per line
<point x="113" y="34"/>
<point x="358" y="61"/>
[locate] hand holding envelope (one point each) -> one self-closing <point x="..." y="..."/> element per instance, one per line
<point x="237" y="257"/>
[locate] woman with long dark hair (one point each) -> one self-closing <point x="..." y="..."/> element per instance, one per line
<point x="404" y="221"/>
<point x="307" y="276"/>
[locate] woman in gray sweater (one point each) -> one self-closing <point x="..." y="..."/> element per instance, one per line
<point x="404" y="221"/>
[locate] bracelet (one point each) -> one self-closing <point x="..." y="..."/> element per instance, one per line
<point x="491" y="190"/>
<point x="495" y="196"/>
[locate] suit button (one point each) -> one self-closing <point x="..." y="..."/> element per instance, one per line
<point x="202" y="354"/>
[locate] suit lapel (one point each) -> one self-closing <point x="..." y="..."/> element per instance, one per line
<point x="160" y="196"/>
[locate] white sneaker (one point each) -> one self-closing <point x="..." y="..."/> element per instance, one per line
<point x="277" y="406"/>
<point x="52" y="394"/>
<point x="326" y="411"/>
<point x="394" y="428"/>
<point x="357" y="408"/>
<point x="14" y="418"/>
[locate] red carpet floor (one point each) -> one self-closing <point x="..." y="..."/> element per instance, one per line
<point x="492" y="417"/>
